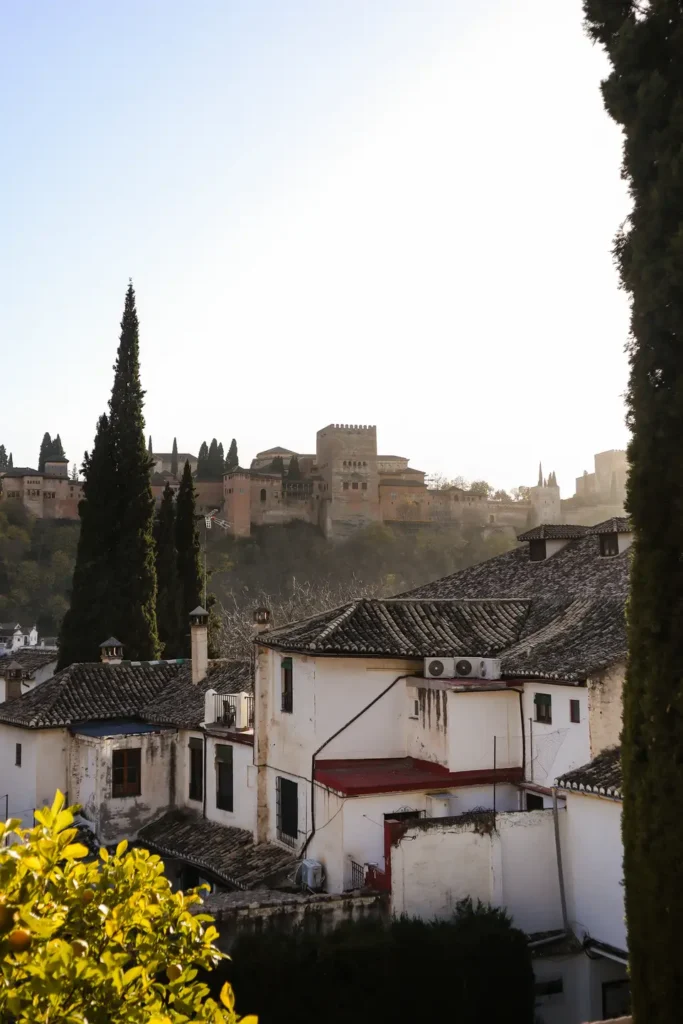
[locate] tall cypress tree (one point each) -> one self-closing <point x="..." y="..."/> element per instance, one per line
<point x="57" y="449"/>
<point x="45" y="452"/>
<point x="168" y="596"/>
<point x="644" y="95"/>
<point x="87" y="622"/>
<point x="10" y="464"/>
<point x="122" y="600"/>
<point x="212" y="462"/>
<point x="174" y="459"/>
<point x="232" y="459"/>
<point x="203" y="461"/>
<point x="3" y="457"/>
<point x="190" y="576"/>
<point x="150" y="449"/>
<point x="293" y="470"/>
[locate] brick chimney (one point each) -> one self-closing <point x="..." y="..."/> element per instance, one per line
<point x="199" y="634"/>
<point x="111" y="651"/>
<point x="261" y="620"/>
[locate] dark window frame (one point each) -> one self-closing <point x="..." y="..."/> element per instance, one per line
<point x="609" y="545"/>
<point x="575" y="711"/>
<point x="532" y="802"/>
<point x="537" y="552"/>
<point x="618" y="986"/>
<point x="126" y="763"/>
<point x="196" y="779"/>
<point x="287" y="686"/>
<point x="286" y="810"/>
<point x="544" y="708"/>
<point x="17" y="755"/>
<point x="225" y="778"/>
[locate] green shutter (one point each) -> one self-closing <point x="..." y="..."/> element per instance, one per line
<point x="542" y="698"/>
<point x="195" y="743"/>
<point x="286" y="663"/>
<point x="224" y="753"/>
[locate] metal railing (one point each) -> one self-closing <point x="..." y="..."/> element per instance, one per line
<point x="225" y="707"/>
<point x="357" y="875"/>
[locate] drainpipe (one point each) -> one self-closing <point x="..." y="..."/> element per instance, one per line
<point x="204" y="775"/>
<point x="560" y="873"/>
<point x="334" y="735"/>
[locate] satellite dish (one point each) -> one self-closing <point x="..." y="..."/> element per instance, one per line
<point x="463" y="667"/>
<point x="436" y="668"/>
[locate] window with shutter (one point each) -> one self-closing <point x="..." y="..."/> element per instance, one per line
<point x="196" y="768"/>
<point x="543" y="704"/>
<point x="224" y="777"/>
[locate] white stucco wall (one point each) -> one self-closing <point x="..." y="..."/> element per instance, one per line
<point x="474" y="719"/>
<point x="512" y="867"/>
<point x="42" y="771"/>
<point x="243" y="814"/>
<point x="605" y="707"/>
<point x="592" y="855"/>
<point x="554" y="749"/>
<point x="427" y="732"/>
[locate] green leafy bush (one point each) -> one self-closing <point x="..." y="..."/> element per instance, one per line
<point x="98" y="942"/>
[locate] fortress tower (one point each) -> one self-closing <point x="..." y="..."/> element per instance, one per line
<point x="346" y="457"/>
<point x="545" y="500"/>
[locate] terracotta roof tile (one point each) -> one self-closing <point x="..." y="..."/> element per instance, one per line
<point x="617" y="524"/>
<point x="554" y="531"/>
<point x="601" y="776"/>
<point x="28" y="659"/>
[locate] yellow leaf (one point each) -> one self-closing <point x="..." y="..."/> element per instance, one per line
<point x="57" y="803"/>
<point x="228" y="996"/>
<point x="103" y="854"/>
<point x="121" y="848"/>
<point x="251" y="1019"/>
<point x="63" y="820"/>
<point x="75" y="850"/>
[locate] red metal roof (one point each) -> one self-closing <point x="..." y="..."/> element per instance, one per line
<point x="402" y="774"/>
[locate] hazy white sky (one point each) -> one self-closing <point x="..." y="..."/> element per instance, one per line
<point x="333" y="211"/>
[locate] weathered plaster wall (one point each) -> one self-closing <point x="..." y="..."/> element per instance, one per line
<point x="474" y="719"/>
<point x="42" y="771"/>
<point x="555" y="748"/>
<point x="243" y="814"/>
<point x="605" y="706"/>
<point x="427" y="732"/>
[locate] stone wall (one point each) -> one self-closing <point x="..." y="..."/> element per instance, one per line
<point x="605" y="707"/>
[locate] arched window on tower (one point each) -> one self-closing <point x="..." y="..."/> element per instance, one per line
<point x="263" y="494"/>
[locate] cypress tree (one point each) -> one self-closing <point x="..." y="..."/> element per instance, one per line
<point x="232" y="459"/>
<point x="10" y="464"/>
<point x="45" y="452"/>
<point x="644" y="95"/>
<point x="203" y="461"/>
<point x="87" y="622"/>
<point x="118" y="508"/>
<point x="540" y="475"/>
<point x="174" y="459"/>
<point x="277" y="465"/>
<point x="190" y="577"/>
<point x="220" y="462"/>
<point x="57" y="449"/>
<point x="293" y="472"/>
<point x="212" y="461"/>
<point x="168" y="618"/>
<point x="3" y="457"/>
<point x="150" y="449"/>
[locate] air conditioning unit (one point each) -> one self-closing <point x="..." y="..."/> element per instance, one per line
<point x="462" y="668"/>
<point x="310" y="875"/>
<point x="439" y="668"/>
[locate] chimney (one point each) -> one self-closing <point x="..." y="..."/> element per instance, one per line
<point x="199" y="633"/>
<point x="261" y="620"/>
<point x="111" y="651"/>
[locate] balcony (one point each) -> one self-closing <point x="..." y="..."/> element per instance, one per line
<point x="230" y="710"/>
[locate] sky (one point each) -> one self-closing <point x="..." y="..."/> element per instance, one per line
<point x="333" y="211"/>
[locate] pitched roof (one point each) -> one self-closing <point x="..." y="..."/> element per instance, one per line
<point x="181" y="702"/>
<point x="601" y="776"/>
<point x="159" y="692"/>
<point x="406" y="628"/>
<point x="617" y="524"/>
<point x="28" y="659"/>
<point x="275" y="451"/>
<point x="554" y="531"/>
<point x="226" y="852"/>
<point x="90" y="691"/>
<point x="21" y="471"/>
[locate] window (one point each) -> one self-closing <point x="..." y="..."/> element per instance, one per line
<point x="534" y="802"/>
<point x="492" y="519"/>
<point x="196" y="768"/>
<point x="287" y="685"/>
<point x="415" y="705"/>
<point x="609" y="544"/>
<point x="543" y="702"/>
<point x="408" y="815"/>
<point x="364" y="486"/>
<point x="126" y="774"/>
<point x="354" y="486"/>
<point x="552" y="987"/>
<point x="616" y="999"/>
<point x="536" y="550"/>
<point x="575" y="711"/>
<point x="17" y="754"/>
<point x="345" y="485"/>
<point x="287" y="811"/>
<point x="263" y="494"/>
<point x="224" y="791"/>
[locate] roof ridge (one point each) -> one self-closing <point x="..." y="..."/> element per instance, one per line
<point x="345" y="614"/>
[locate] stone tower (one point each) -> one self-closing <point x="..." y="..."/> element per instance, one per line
<point x="545" y="500"/>
<point x="237" y="501"/>
<point x="346" y="457"/>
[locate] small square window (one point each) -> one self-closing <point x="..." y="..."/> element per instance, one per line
<point x="609" y="544"/>
<point x="345" y="485"/>
<point x="575" y="711"/>
<point x="543" y="704"/>
<point x="354" y="486"/>
<point x="364" y="486"/>
<point x="126" y="772"/>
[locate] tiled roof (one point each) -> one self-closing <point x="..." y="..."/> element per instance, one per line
<point x="576" y="570"/>
<point x="21" y="471"/>
<point x="554" y="531"/>
<point x="406" y="628"/>
<point x="601" y="776"/>
<point x="28" y="659"/>
<point x="228" y="853"/>
<point x="90" y="691"/>
<point x="617" y="524"/>
<point x="160" y="692"/>
<point x="181" y="703"/>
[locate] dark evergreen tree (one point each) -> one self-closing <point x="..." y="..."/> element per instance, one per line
<point x="190" y="576"/>
<point x="220" y="464"/>
<point x="3" y="457"/>
<point x="174" y="459"/>
<point x="232" y="459"/>
<point x="150" y="449"/>
<point x="57" y="449"/>
<point x="203" y="461"/>
<point x="540" y="475"/>
<point x="214" y="467"/>
<point x="10" y="464"/>
<point x="122" y="599"/>
<point x="168" y="595"/>
<point x="644" y="95"/>
<point x="293" y="471"/>
<point x="277" y="465"/>
<point x="87" y="622"/>
<point x="45" y="452"/>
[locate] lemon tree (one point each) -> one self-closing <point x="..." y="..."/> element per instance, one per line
<point x="99" y="942"/>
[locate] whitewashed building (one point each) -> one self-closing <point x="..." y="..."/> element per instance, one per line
<point x="13" y="637"/>
<point x="25" y="668"/>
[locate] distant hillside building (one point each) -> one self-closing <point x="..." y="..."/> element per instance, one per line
<point x="48" y="495"/>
